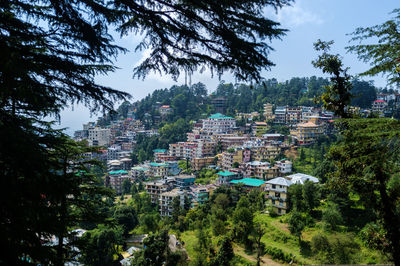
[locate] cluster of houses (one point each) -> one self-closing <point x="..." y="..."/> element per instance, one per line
<point x="244" y="154"/>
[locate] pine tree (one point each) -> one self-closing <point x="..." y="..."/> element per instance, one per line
<point x="50" y="54"/>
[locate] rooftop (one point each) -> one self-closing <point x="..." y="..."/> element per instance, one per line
<point x="300" y="178"/>
<point x="249" y="182"/>
<point x="158" y="164"/>
<point x="279" y="181"/>
<point x="118" y="172"/>
<point x="226" y="173"/>
<point x="219" y="116"/>
<point x="308" y="124"/>
<point x="160" y="150"/>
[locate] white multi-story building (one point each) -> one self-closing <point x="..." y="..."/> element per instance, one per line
<point x="280" y="114"/>
<point x="379" y="106"/>
<point x="285" y="166"/>
<point x="98" y="136"/>
<point x="219" y="123"/>
<point x="112" y="152"/>
<point x="166" y="201"/>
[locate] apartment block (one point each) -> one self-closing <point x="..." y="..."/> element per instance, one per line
<point x="277" y="193"/>
<point x="280" y="114"/>
<point x="307" y="133"/>
<point x="265" y="153"/>
<point x="199" y="163"/>
<point x="268" y="113"/>
<point x="98" y="136"/>
<point x="155" y="189"/>
<point x="166" y="201"/>
<point x="158" y="169"/>
<point x="219" y="123"/>
<point x="116" y="178"/>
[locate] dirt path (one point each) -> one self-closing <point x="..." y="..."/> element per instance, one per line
<point x="265" y="260"/>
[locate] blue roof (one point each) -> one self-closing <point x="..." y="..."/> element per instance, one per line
<point x="249" y="182"/>
<point x="158" y="164"/>
<point x="226" y="173"/>
<point x="160" y="150"/>
<point x="220" y="116"/>
<point x="118" y="172"/>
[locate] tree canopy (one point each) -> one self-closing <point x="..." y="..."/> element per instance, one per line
<point x="51" y="52"/>
<point x="383" y="52"/>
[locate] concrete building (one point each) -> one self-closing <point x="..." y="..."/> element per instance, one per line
<point x="219" y="104"/>
<point x="280" y="115"/>
<point x="277" y="193"/>
<point x="265" y="153"/>
<point x="159" y="152"/>
<point x="219" y="123"/>
<point x="268" y="112"/>
<point x="155" y="189"/>
<point x="166" y="201"/>
<point x="230" y="141"/>
<point x="249" y="169"/>
<point x="293" y="115"/>
<point x="259" y="128"/>
<point x="266" y="172"/>
<point x="116" y="178"/>
<point x="158" y="169"/>
<point x="177" y="150"/>
<point x="249" y="183"/>
<point x="233" y="156"/>
<point x="285" y="166"/>
<point x="379" y="106"/>
<point x="98" y="136"/>
<point x="198" y="163"/>
<point x="199" y="195"/>
<point x="307" y="133"/>
<point x="225" y="176"/>
<point x="139" y="172"/>
<point x="184" y="181"/>
<point x="165" y="110"/>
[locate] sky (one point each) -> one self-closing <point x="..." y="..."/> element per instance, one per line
<point x="306" y="20"/>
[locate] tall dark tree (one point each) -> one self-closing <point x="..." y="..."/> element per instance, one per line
<point x="367" y="163"/>
<point x="337" y="96"/>
<point x="364" y="93"/>
<point x="50" y="53"/>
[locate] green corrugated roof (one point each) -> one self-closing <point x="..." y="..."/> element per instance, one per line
<point x="249" y="182"/>
<point x="138" y="168"/>
<point x="159" y="150"/>
<point x="220" y="116"/>
<point x="226" y="173"/>
<point x="118" y="172"/>
<point x="158" y="164"/>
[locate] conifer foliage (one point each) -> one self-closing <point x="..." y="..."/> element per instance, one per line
<point x="50" y="52"/>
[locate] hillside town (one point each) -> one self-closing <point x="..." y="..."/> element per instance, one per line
<point x="244" y="155"/>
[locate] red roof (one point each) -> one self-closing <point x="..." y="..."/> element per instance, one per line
<point x="379" y="101"/>
<point x="165" y="106"/>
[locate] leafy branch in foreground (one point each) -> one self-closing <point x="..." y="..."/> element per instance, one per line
<point x="186" y="35"/>
<point x="384" y="53"/>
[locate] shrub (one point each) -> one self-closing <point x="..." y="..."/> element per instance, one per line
<point x="332" y="217"/>
<point x="278" y="254"/>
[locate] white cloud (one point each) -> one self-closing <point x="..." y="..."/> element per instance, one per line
<point x="294" y="16"/>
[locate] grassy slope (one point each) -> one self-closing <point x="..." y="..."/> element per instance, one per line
<point x="278" y="236"/>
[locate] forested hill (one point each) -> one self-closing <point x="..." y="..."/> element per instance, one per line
<point x="194" y="102"/>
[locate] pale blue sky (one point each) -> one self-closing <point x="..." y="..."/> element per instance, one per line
<point x="307" y="21"/>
